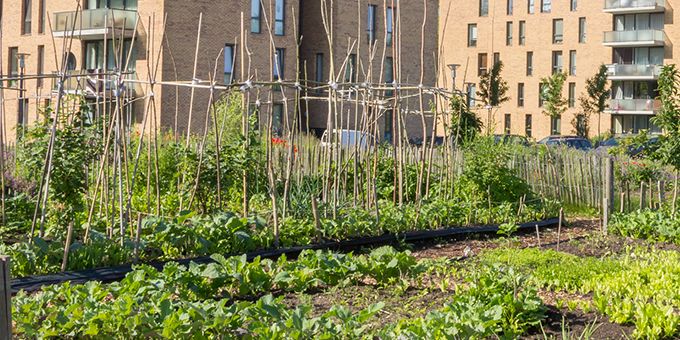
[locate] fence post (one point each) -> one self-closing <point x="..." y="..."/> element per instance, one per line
<point x="5" y="300"/>
<point x="608" y="201"/>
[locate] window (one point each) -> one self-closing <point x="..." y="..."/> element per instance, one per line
<point x="482" y="64"/>
<point x="280" y="18"/>
<point x="472" y="35"/>
<point x="546" y="6"/>
<point x="472" y="95"/>
<point x="279" y="63"/>
<point x="116" y="4"/>
<point x="530" y="63"/>
<point x="43" y="14"/>
<point x="530" y="7"/>
<point x="572" y="94"/>
<point x="572" y="63"/>
<point x="510" y="6"/>
<point x="390" y="27"/>
<point x="483" y="8"/>
<point x="351" y="69"/>
<point x="94" y="55"/>
<point x="581" y="30"/>
<point x="255" y="16"/>
<point x="508" y="123"/>
<point x="370" y="29"/>
<point x="557" y="62"/>
<point x="558" y="31"/>
<point x="389" y="74"/>
<point x="13" y="60"/>
<point x="496" y="58"/>
<point x="528" y="125"/>
<point x="318" y="69"/>
<point x="41" y="65"/>
<point x="26" y="10"/>
<point x="574" y="5"/>
<point x="520" y="95"/>
<point x="229" y="54"/>
<point x="555" y="125"/>
<point x="508" y="33"/>
<point x="541" y="90"/>
<point x="277" y="118"/>
<point x="522" y="32"/>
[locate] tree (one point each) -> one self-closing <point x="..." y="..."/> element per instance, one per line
<point x="465" y="124"/>
<point x="594" y="100"/>
<point x="493" y="90"/>
<point x="668" y="119"/>
<point x="554" y="104"/>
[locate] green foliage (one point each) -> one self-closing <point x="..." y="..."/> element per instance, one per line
<point x="668" y="119"/>
<point x="647" y="224"/>
<point x="493" y="89"/>
<point x="465" y="124"/>
<point x="554" y="104"/>
<point x="594" y="101"/>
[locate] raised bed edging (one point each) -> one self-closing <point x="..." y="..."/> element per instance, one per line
<point x="112" y="274"/>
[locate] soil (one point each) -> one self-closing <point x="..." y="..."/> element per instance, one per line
<point x="577" y="325"/>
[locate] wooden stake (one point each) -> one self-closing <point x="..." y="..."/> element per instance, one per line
<point x="5" y="299"/>
<point x="538" y="236"/>
<point x="67" y="246"/>
<point x="559" y="228"/>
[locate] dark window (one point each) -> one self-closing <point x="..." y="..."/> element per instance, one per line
<point x="472" y="35"/>
<point x="558" y="31"/>
<point x="510" y="6"/>
<point x="482" y="64"/>
<point x="508" y="33"/>
<point x="555" y="125"/>
<point x="574" y="5"/>
<point x="43" y="14"/>
<point x="280" y="18"/>
<point x="581" y="30"/>
<point x="508" y="123"/>
<point x="572" y="63"/>
<point x="496" y="58"/>
<point x="530" y="7"/>
<point x="279" y="63"/>
<point x="389" y="74"/>
<point x="522" y="32"/>
<point x="530" y="63"/>
<point x="546" y="6"/>
<point x="528" y="125"/>
<point x="557" y="62"/>
<point x="390" y="25"/>
<point x="229" y="62"/>
<point x="255" y="16"/>
<point x="351" y="69"/>
<point x="572" y="94"/>
<point x="13" y="61"/>
<point x="40" y="65"/>
<point x="277" y="118"/>
<point x="520" y="94"/>
<point x="483" y="8"/>
<point x="26" y="16"/>
<point x="318" y="71"/>
<point x="371" y="23"/>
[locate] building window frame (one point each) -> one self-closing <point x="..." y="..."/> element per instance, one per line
<point x="530" y="63"/>
<point x="582" y="30"/>
<point x="522" y="33"/>
<point x="557" y="62"/>
<point x="510" y="7"/>
<point x="508" y="33"/>
<point x="26" y="16"/>
<point x="371" y="25"/>
<point x="482" y="64"/>
<point x="558" y="31"/>
<point x="572" y="95"/>
<point x="389" y="22"/>
<point x="229" y="62"/>
<point x="473" y="34"/>
<point x="546" y="6"/>
<point x="279" y="64"/>
<point x="255" y="16"/>
<point x="520" y="95"/>
<point x="528" y="125"/>
<point x="572" y="62"/>
<point x="531" y="7"/>
<point x="280" y="18"/>
<point x="483" y="8"/>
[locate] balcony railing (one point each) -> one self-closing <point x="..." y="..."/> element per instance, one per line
<point x="632" y="71"/>
<point x="94" y="21"/>
<point x="648" y="106"/>
<point x="93" y="83"/>
<point x="635" y="38"/>
<point x="633" y="5"/>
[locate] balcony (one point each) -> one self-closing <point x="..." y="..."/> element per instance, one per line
<point x="634" y="6"/>
<point x="633" y="72"/>
<point x="93" y="24"/>
<point x="635" y="38"/>
<point x="633" y="106"/>
<point x="95" y="83"/>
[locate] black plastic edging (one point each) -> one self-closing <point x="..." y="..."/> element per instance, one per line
<point x="112" y="274"/>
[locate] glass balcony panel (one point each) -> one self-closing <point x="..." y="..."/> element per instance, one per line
<point x="656" y="36"/>
<point x="634" y="105"/>
<point x="634" y="71"/>
<point x="633" y="4"/>
<point x="95" y="19"/>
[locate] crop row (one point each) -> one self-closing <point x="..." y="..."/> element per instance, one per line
<point x="654" y="225"/>
<point x="188" y="236"/>
<point x="202" y="301"/>
<point x="638" y="288"/>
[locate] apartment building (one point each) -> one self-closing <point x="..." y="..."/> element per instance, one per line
<point x="253" y="40"/>
<point x="108" y="32"/>
<point x="373" y="42"/>
<point x="536" y="38"/>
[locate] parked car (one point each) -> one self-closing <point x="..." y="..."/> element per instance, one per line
<point x="632" y="150"/>
<point x="348" y="139"/>
<point x="512" y="140"/>
<point x="574" y="142"/>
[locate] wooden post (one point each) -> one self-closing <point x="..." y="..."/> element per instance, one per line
<point x="605" y="215"/>
<point x="607" y="193"/>
<point x="662" y="193"/>
<point x="67" y="247"/>
<point x="559" y="228"/>
<point x="317" y="223"/>
<point x="538" y="236"/>
<point x="138" y="233"/>
<point x="5" y="300"/>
